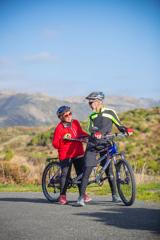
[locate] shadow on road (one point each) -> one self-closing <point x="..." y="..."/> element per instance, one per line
<point x="128" y="218"/>
<point x="28" y="200"/>
<point x="93" y="203"/>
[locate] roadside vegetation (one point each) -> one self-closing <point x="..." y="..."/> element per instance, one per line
<point x="146" y="192"/>
<point x="23" y="153"/>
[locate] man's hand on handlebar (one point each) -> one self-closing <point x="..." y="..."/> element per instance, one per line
<point x="125" y="130"/>
<point x="129" y="131"/>
<point x="97" y="135"/>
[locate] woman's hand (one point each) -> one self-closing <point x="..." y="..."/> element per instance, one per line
<point x="67" y="136"/>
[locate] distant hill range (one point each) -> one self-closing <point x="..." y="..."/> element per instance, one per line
<point x="23" y="109"/>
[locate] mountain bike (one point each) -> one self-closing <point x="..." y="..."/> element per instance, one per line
<point x="124" y="174"/>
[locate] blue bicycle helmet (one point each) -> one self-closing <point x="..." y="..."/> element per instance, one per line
<point x="61" y="110"/>
<point x="95" y="96"/>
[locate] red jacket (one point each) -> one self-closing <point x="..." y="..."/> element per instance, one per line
<point x="68" y="149"/>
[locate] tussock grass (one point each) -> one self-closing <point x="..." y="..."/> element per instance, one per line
<point x="23" y="152"/>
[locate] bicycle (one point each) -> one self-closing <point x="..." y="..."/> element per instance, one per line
<point x="124" y="174"/>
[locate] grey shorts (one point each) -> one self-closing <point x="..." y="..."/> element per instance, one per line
<point x="90" y="158"/>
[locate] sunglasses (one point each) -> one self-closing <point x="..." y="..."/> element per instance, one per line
<point x="67" y="115"/>
<point x="90" y="103"/>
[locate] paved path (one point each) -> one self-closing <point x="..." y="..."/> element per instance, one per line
<point x="28" y="216"/>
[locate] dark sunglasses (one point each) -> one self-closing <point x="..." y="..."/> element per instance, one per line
<point x="67" y="115"/>
<point x="90" y="103"/>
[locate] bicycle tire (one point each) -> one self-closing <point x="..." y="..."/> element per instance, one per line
<point x="125" y="178"/>
<point x="51" y="181"/>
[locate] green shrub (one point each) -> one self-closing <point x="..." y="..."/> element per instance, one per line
<point x="24" y="169"/>
<point x="139" y="165"/>
<point x="9" y="154"/>
<point x="153" y="166"/>
<point x="42" y="139"/>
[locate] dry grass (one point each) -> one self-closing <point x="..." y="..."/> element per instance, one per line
<point x="144" y="178"/>
<point x="27" y="163"/>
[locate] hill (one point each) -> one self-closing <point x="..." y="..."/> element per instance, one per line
<point x="23" y="150"/>
<point x="143" y="149"/>
<point x="22" y="109"/>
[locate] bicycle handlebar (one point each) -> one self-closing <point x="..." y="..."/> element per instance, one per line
<point x="107" y="137"/>
<point x="114" y="135"/>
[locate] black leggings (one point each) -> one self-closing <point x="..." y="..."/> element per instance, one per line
<point x="66" y="166"/>
<point x="85" y="178"/>
<point x="111" y="178"/>
<point x="109" y="174"/>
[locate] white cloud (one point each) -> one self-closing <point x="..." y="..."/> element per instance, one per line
<point x="40" y="57"/>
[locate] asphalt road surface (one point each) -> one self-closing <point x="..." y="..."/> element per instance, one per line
<point x="28" y="216"/>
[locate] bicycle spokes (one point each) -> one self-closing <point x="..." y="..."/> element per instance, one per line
<point x="51" y="181"/>
<point x="123" y="175"/>
<point x="125" y="182"/>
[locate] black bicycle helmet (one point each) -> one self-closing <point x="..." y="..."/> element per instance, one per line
<point x="61" y="110"/>
<point x="95" y="95"/>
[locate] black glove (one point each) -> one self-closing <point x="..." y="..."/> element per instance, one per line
<point x="123" y="129"/>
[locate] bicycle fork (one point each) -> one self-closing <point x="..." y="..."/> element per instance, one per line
<point x="125" y="179"/>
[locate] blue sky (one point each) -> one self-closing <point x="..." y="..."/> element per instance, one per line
<point x="70" y="48"/>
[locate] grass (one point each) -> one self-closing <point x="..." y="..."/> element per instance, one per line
<point x="146" y="192"/>
<point x="20" y="188"/>
<point x="149" y="192"/>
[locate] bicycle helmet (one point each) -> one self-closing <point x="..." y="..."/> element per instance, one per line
<point x="61" y="110"/>
<point x="95" y="95"/>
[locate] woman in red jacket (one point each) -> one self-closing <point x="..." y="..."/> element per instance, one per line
<point x="69" y="151"/>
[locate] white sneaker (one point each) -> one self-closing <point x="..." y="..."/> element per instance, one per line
<point x="81" y="202"/>
<point x="115" y="199"/>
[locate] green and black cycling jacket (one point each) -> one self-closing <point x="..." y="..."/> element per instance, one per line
<point x="103" y="120"/>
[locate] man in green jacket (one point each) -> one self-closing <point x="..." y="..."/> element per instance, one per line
<point x="102" y="118"/>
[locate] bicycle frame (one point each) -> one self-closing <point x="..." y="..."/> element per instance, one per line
<point x="125" y="179"/>
<point x="109" y="156"/>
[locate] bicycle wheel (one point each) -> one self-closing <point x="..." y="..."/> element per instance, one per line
<point x="125" y="182"/>
<point x="51" y="181"/>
